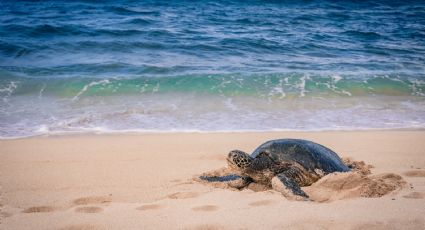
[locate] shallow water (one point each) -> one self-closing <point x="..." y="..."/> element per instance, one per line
<point x="164" y="66"/>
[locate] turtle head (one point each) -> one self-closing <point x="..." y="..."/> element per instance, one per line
<point x="239" y="160"/>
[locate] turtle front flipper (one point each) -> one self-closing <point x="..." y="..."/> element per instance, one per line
<point x="232" y="180"/>
<point x="240" y="183"/>
<point x="288" y="187"/>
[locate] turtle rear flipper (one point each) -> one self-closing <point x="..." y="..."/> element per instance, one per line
<point x="288" y="187"/>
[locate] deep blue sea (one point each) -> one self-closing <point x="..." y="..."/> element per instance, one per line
<point x="207" y="66"/>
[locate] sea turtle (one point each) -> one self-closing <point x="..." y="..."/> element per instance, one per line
<point x="285" y="165"/>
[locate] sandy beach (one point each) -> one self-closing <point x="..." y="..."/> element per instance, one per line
<point x="121" y="115"/>
<point x="146" y="181"/>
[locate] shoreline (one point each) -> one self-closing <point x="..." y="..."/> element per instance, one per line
<point x="157" y="132"/>
<point x="146" y="181"/>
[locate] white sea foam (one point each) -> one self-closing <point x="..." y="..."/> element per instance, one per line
<point x="301" y="85"/>
<point x="278" y="90"/>
<point x="43" y="129"/>
<point x="40" y="94"/>
<point x="156" y="88"/>
<point x="104" y="130"/>
<point x="8" y="90"/>
<point x="86" y="87"/>
<point x="334" y="80"/>
<point x="229" y="104"/>
<point x="217" y="114"/>
<point x="416" y="85"/>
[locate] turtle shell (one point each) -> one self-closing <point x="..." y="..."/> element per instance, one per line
<point x="310" y="155"/>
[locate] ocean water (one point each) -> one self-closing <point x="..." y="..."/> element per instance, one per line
<point x="208" y="66"/>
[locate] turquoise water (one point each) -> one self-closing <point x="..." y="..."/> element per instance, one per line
<point x="163" y="66"/>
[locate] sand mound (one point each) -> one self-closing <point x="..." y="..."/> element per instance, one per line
<point x="336" y="186"/>
<point x="358" y="166"/>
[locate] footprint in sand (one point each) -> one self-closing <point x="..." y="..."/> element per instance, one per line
<point x="415" y="173"/>
<point x="204" y="227"/>
<point x="261" y="203"/>
<point x="183" y="195"/>
<point x="205" y="208"/>
<point x="415" y="195"/>
<point x="5" y="214"/>
<point x="83" y="227"/>
<point x="149" y="207"/>
<point x="37" y="209"/>
<point x="93" y="200"/>
<point x="89" y="209"/>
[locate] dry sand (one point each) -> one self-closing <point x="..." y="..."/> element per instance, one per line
<point x="145" y="181"/>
